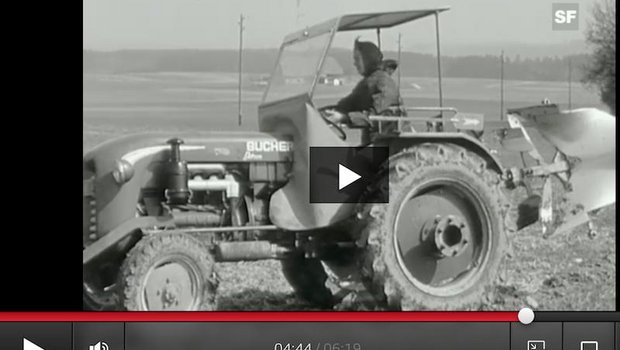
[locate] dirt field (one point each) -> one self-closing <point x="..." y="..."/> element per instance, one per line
<point x="568" y="272"/>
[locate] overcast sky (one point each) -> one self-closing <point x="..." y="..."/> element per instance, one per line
<point x="211" y="24"/>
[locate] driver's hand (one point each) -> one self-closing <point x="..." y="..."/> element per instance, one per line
<point x="335" y="116"/>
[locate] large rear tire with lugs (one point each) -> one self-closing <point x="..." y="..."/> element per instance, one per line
<point x="439" y="242"/>
<point x="168" y="271"/>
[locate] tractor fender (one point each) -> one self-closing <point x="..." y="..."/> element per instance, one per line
<point x="289" y="206"/>
<point x="399" y="142"/>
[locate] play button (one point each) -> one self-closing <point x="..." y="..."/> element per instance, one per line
<point x="36" y="335"/>
<point x="346" y="176"/>
<point x="28" y="345"/>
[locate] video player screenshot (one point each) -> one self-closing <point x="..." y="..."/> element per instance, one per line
<point x="338" y="175"/>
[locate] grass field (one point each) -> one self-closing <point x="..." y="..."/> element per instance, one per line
<point x="567" y="272"/>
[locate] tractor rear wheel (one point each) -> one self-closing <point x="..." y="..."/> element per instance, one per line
<point x="439" y="242"/>
<point x="168" y="271"/>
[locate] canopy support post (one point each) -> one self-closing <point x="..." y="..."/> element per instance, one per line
<point x="438" y="60"/>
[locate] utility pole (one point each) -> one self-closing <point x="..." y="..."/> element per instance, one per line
<point x="399" y="62"/>
<point x="298" y="13"/>
<point x="501" y="87"/>
<point x="570" y="78"/>
<point x="241" y="28"/>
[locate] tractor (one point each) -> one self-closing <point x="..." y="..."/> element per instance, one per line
<point x="160" y="210"/>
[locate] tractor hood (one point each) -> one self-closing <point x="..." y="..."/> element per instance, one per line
<point x="142" y="156"/>
<point x="197" y="147"/>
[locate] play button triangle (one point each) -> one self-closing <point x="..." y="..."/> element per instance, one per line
<point x="28" y="345"/>
<point x="346" y="176"/>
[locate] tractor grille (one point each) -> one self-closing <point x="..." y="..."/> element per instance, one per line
<point x="89" y="207"/>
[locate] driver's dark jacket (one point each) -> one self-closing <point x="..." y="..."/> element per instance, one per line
<point x="375" y="92"/>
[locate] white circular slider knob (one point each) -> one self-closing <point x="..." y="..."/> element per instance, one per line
<point x="526" y="315"/>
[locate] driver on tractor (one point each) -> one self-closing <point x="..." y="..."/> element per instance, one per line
<point x="375" y="93"/>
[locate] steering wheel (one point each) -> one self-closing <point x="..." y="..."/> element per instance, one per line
<point x="324" y="108"/>
<point x="341" y="134"/>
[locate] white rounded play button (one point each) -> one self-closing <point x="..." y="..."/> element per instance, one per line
<point x="346" y="176"/>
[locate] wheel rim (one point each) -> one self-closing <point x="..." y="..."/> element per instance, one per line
<point x="172" y="283"/>
<point x="442" y="237"/>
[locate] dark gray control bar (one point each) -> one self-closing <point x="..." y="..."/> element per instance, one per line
<point x="309" y="335"/>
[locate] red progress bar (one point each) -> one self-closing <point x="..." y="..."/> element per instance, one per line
<point x="256" y="316"/>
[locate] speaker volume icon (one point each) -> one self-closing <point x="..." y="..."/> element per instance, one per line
<point x="99" y="346"/>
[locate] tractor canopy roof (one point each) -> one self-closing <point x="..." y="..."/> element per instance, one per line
<point x="303" y="53"/>
<point x="361" y="21"/>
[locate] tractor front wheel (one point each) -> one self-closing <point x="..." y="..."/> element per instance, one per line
<point x="168" y="271"/>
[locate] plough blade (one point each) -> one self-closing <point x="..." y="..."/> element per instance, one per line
<point x="585" y="147"/>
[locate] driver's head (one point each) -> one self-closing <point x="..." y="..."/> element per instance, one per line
<point x="389" y="66"/>
<point x="366" y="57"/>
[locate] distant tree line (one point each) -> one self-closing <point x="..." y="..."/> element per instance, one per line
<point x="261" y="61"/>
<point x="143" y="61"/>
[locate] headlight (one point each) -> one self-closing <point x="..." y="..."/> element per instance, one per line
<point x="123" y="171"/>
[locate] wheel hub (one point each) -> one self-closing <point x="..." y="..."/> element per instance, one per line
<point x="450" y="235"/>
<point x="169" y="287"/>
<point x="440" y="237"/>
<point x="170" y="294"/>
